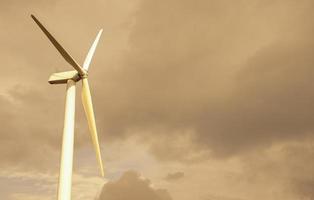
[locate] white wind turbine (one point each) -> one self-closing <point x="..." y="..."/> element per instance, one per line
<point x="70" y="78"/>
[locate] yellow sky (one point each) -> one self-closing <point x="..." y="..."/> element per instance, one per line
<point x="204" y="99"/>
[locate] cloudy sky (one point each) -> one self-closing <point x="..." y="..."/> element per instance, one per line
<point x="203" y="99"/>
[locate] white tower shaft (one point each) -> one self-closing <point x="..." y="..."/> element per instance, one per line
<point x="65" y="176"/>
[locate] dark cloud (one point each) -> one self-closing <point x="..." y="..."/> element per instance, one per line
<point x="223" y="69"/>
<point x="305" y="189"/>
<point x="132" y="186"/>
<point x="271" y="102"/>
<point x="288" y="167"/>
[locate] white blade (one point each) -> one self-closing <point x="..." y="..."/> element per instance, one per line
<point x="88" y="107"/>
<point x="91" y="52"/>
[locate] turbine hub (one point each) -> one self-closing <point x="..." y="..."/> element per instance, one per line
<point x="84" y="75"/>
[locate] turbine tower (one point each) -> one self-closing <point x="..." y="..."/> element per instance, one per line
<point x="70" y="78"/>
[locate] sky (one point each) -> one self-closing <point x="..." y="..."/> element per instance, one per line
<point x="202" y="100"/>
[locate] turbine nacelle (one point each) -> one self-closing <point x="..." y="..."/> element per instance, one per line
<point x="63" y="77"/>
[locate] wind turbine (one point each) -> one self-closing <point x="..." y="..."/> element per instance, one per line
<point x="70" y="78"/>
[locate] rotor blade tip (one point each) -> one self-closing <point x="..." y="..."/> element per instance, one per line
<point x="34" y="18"/>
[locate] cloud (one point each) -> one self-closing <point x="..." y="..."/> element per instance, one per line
<point x="25" y="134"/>
<point x="305" y="188"/>
<point x="132" y="186"/>
<point x="286" y="166"/>
<point x="271" y="101"/>
<point x="174" y="176"/>
<point x="223" y="70"/>
<point x="18" y="184"/>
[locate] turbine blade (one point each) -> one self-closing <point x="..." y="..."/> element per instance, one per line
<point x="61" y="50"/>
<point x="88" y="107"/>
<point x="91" y="52"/>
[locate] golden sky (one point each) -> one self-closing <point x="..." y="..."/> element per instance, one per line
<point x="202" y="100"/>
